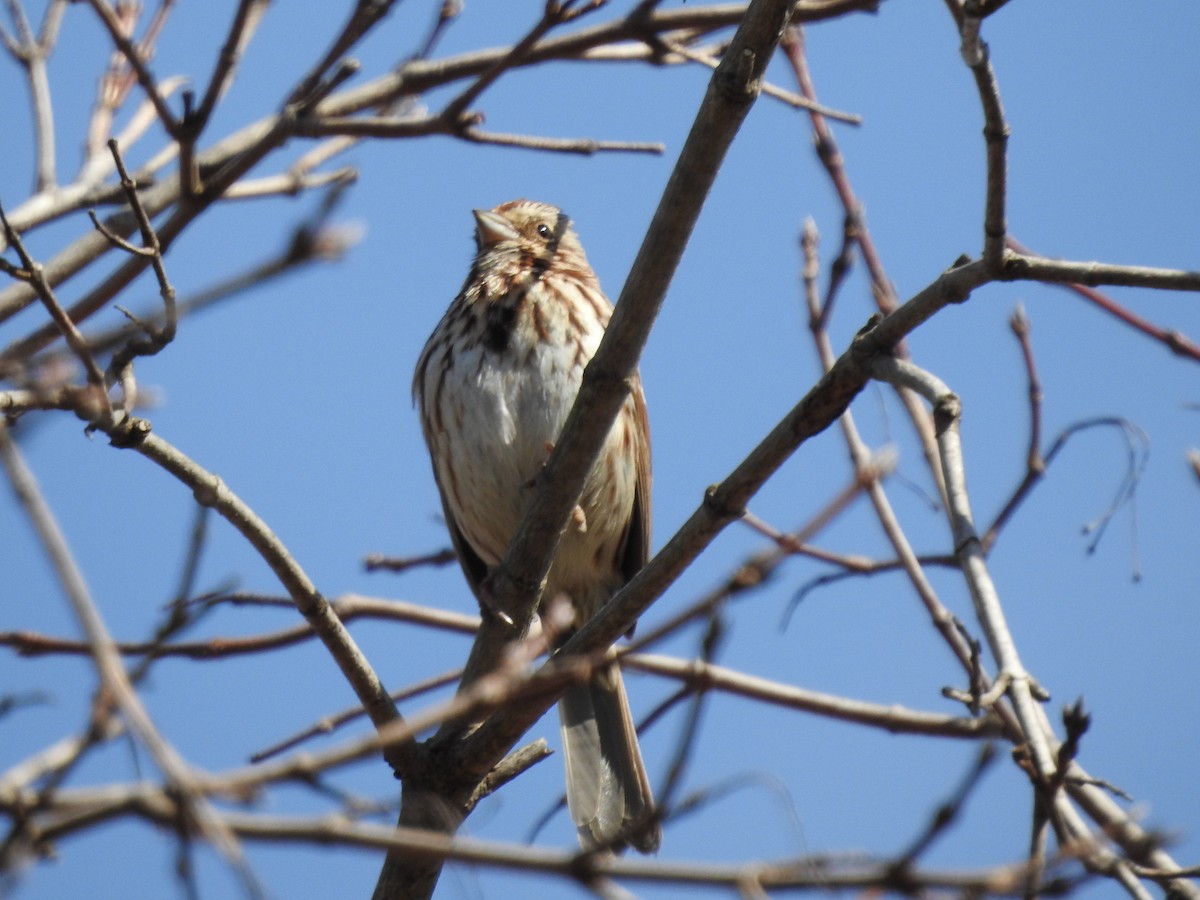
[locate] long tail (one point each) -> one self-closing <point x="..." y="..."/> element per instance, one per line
<point x="608" y="791"/>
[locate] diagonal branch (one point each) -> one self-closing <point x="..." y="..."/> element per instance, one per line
<point x="241" y="30"/>
<point x="114" y="679"/>
<point x="210" y="491"/>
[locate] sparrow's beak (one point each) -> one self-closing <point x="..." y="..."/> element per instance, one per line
<point x="491" y="228"/>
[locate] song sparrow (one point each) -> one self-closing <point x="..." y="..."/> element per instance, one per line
<point x="494" y="385"/>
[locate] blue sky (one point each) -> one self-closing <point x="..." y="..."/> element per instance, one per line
<point x="298" y="396"/>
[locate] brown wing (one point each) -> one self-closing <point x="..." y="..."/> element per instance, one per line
<point x="636" y="550"/>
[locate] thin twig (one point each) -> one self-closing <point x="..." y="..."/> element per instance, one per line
<point x="855" y="229"/>
<point x="376" y="561"/>
<point x="34" y="274"/>
<point x="137" y="57"/>
<point x="113" y="676"/>
<point x="555" y="13"/>
<point x="448" y="12"/>
<point x="210" y="491"/>
<point x="392" y="127"/>
<point x="1035" y="464"/>
<point x="364" y="17"/>
<point x="1021" y="686"/>
<point x="582" y="146"/>
<point x="152" y="340"/>
<point x="329" y="724"/>
<point x="892" y="718"/>
<point x="312" y="239"/>
<point x="241" y="29"/>
<point x="32" y="52"/>
<point x="976" y="56"/>
<point x="794" y="100"/>
<point x="860" y="455"/>
<point x="1137" y="454"/>
<point x="1177" y="342"/>
<point x="949" y="810"/>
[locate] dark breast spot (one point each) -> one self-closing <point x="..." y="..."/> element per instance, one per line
<point x="500" y="315"/>
<point x="498" y="326"/>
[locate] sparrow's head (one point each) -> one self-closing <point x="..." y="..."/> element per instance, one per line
<point x="532" y="232"/>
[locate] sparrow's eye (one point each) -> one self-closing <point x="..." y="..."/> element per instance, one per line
<point x="544" y="232"/>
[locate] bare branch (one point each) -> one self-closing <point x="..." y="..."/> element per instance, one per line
<point x="1020" y="684"/>
<point x="113" y="677"/>
<point x="32" y="52"/>
<point x="33" y="274"/>
<point x="388" y="127"/>
<point x="1020" y="267"/>
<point x="1175" y="341"/>
<point x="894" y="719"/>
<point x="56" y="366"/>
<point x="583" y="146"/>
<point x="995" y="131"/>
<point x="814" y="873"/>
<point x="711" y="61"/>
<point x="138" y="58"/>
<point x="241" y="31"/>
<point x="376" y="561"/>
<point x="554" y="14"/>
<point x="153" y="340"/>
<point x="329" y="724"/>
<point x="210" y="491"/>
<point x="949" y="811"/>
<point x="856" y="230"/>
